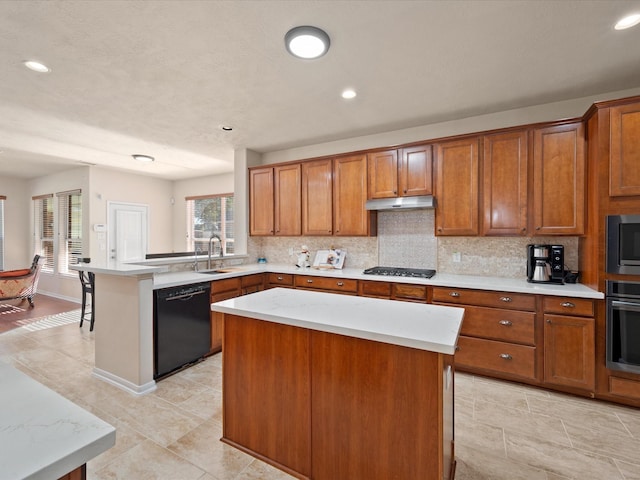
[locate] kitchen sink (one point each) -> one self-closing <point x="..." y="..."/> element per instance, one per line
<point x="218" y="271"/>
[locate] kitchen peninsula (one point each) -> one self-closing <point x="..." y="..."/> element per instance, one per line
<point x="328" y="386"/>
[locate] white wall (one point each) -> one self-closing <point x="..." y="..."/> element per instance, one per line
<point x="211" y="185"/>
<point x="18" y="250"/>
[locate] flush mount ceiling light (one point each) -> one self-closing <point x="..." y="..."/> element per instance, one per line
<point x="349" y="94"/>
<point x="226" y="128"/>
<point x="36" y="66"/>
<point x="143" y="158"/>
<point x="628" y="22"/>
<point x="307" y="42"/>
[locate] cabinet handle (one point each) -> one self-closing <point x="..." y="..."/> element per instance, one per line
<point x="405" y="190"/>
<point x="309" y="281"/>
<point x="279" y="278"/>
<point x="506" y="356"/>
<point x="340" y="284"/>
<point x="505" y="299"/>
<point x="395" y="192"/>
<point x="548" y="320"/>
<point x="506" y="323"/>
<point x="568" y="304"/>
<point x="537" y="228"/>
<point x="454" y="294"/>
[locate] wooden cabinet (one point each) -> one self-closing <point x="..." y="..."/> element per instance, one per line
<point x="569" y="343"/>
<point x="251" y="283"/>
<point x="279" y="280"/>
<point x="275" y="207"/>
<point x="317" y="197"/>
<point x="349" y="197"/>
<point x="624" y="155"/>
<point x="504" y="179"/>
<point x="400" y="173"/>
<point x="457" y="187"/>
<point x="221" y="290"/>
<point x="559" y="180"/>
<point x="332" y="284"/>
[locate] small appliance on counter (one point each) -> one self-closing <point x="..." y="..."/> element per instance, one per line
<point x="545" y="263"/>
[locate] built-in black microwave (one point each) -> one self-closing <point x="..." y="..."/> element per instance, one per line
<point x="623" y="244"/>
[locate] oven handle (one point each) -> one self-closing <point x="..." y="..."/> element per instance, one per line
<point x="634" y="306"/>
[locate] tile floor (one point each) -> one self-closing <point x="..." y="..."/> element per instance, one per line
<point x="503" y="430"/>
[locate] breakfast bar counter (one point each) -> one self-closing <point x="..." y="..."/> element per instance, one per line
<point x="327" y="386"/>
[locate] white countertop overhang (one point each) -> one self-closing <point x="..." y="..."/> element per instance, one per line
<point x="426" y="327"/>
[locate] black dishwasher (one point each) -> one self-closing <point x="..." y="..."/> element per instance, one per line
<point x="182" y="327"/>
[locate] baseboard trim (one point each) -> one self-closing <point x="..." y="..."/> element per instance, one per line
<point x="123" y="384"/>
<point x="60" y="297"/>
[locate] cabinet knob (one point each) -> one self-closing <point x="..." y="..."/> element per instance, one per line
<point x="454" y="294"/>
<point x="279" y="278"/>
<point x="506" y="356"/>
<point x="568" y="304"/>
<point x="405" y="190"/>
<point x="340" y="284"/>
<point x="505" y="299"/>
<point x="395" y="192"/>
<point x="537" y="228"/>
<point x="506" y="323"/>
<point x="309" y="281"/>
<point x="548" y="320"/>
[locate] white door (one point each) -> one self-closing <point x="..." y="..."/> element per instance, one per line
<point x="127" y="231"/>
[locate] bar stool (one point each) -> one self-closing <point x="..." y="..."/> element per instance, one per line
<point x="87" y="279"/>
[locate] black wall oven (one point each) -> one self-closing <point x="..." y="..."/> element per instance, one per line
<point x="623" y="244"/>
<point x="623" y="326"/>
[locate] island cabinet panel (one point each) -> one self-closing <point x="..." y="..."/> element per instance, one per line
<point x="267" y="392"/>
<point x="376" y="414"/>
<point x="317" y="197"/>
<point x="457" y="164"/>
<point x="505" y="164"/>
<point x="624" y="156"/>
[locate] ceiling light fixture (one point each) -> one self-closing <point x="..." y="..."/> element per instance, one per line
<point x="143" y="158"/>
<point x="307" y="42"/>
<point x="349" y="94"/>
<point x="628" y="22"/>
<point x="226" y="128"/>
<point x="36" y="66"/>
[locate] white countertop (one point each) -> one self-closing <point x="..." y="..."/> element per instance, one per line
<point x="426" y="327"/>
<point x="42" y="434"/>
<point x="514" y="285"/>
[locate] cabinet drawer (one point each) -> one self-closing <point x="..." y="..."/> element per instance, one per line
<point x="410" y="292"/>
<point x="624" y="387"/>
<point x="569" y="306"/>
<point x="500" y="357"/>
<point x="327" y="283"/>
<point x="252" y="280"/>
<point x="368" y="288"/>
<point x="226" y="285"/>
<point x="218" y="297"/>
<point x="285" y="279"/>
<point x="515" y="301"/>
<point x="499" y="324"/>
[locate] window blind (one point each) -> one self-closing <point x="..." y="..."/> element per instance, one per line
<point x="210" y="215"/>
<point x="69" y="229"/>
<point x="43" y="230"/>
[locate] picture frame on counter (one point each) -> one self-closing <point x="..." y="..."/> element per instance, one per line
<point x="330" y="259"/>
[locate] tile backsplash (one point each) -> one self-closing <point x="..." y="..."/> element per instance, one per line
<point x="407" y="239"/>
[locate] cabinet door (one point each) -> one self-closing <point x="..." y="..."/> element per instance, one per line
<point x="287" y="188"/>
<point x="559" y="180"/>
<point x="416" y="171"/>
<point x="349" y="196"/>
<point x="624" y="156"/>
<point x="317" y="197"/>
<point x="457" y="187"/>
<point x="569" y="351"/>
<point x="383" y="174"/>
<point x="505" y="184"/>
<point x="261" y="201"/>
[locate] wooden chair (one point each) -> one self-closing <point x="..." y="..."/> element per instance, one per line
<point x="21" y="284"/>
<point x="87" y="279"/>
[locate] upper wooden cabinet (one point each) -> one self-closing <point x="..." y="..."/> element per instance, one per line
<point x="559" y="180"/>
<point x="457" y="187"/>
<point x="624" y="156"/>
<point x="349" y="197"/>
<point x="400" y="173"/>
<point x="275" y="207"/>
<point x="317" y="197"/>
<point x="504" y="177"/>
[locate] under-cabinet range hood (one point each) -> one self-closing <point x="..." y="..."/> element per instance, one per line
<point x="401" y="203"/>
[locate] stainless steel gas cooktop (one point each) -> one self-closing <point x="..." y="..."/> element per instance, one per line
<point x="400" y="272"/>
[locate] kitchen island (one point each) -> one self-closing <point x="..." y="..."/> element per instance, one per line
<point x="327" y="386"/>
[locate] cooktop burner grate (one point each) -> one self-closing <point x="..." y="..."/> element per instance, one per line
<point x="400" y="272"/>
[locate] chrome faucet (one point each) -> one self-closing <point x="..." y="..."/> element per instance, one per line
<point x="211" y="238"/>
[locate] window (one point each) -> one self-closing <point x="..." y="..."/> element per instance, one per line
<point x="58" y="232"/>
<point x="2" y="199"/>
<point x="210" y="215"/>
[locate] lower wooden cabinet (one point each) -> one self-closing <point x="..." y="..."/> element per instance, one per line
<point x="500" y="357"/>
<point x="279" y="280"/>
<point x="331" y="284"/>
<point x="221" y="290"/>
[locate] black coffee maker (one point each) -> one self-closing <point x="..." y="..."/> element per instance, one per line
<point x="545" y="263"/>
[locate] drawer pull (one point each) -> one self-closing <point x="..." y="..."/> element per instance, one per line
<point x="280" y="278"/>
<point x="309" y="281"/>
<point x="506" y="323"/>
<point x="505" y="299"/>
<point x="568" y="304"/>
<point x="341" y="284"/>
<point x="506" y="356"/>
<point x="454" y="294"/>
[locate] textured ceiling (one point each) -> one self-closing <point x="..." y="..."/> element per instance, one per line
<point x="161" y="77"/>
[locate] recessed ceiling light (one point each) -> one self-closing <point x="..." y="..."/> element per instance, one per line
<point x="349" y="93"/>
<point x="226" y="128"/>
<point x="628" y="22"/>
<point x="307" y="42"/>
<point x="143" y="158"/>
<point x="37" y="66"/>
